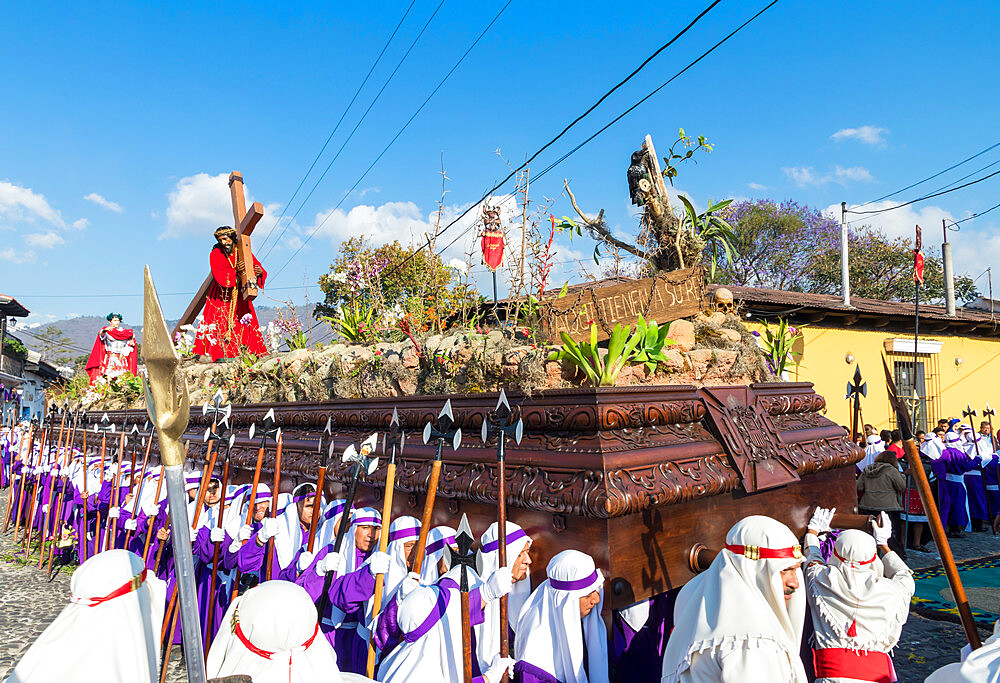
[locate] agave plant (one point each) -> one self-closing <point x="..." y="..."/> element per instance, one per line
<point x="600" y="368"/>
<point x="714" y="232"/>
<point x="652" y="341"/>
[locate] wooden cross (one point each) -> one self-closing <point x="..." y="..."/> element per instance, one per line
<point x="244" y="222"/>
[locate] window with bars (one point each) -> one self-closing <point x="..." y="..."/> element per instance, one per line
<point x="924" y="379"/>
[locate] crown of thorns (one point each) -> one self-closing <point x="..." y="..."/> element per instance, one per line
<point x="225" y="230"/>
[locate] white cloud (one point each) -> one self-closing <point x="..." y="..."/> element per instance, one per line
<point x="44" y="240"/>
<point x="756" y="186"/>
<point x="853" y="173"/>
<point x="806" y="175"/>
<point x="17" y="255"/>
<point x="200" y="203"/>
<point x="869" y="135"/>
<point x="106" y="203"/>
<point x="81" y="223"/>
<point x="19" y="203"/>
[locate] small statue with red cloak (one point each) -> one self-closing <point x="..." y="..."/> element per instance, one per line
<point x="115" y="352"/>
<point x="229" y="325"/>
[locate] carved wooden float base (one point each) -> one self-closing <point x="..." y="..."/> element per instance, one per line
<point x="633" y="475"/>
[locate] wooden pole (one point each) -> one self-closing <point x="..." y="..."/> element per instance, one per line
<point x="317" y="507"/>
<point x="252" y="503"/>
<point x="383" y="543"/>
<point x="116" y="490"/>
<point x="269" y="555"/>
<point x="425" y="519"/>
<point x="149" y="524"/>
<point x="215" y="557"/>
<point x="138" y="492"/>
<point x="933" y="515"/>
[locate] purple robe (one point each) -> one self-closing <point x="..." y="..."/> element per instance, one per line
<point x="949" y="469"/>
<point x="525" y="672"/>
<point x="638" y="655"/>
<point x="991" y="484"/>
<point x="348" y="594"/>
<point x="977" y="493"/>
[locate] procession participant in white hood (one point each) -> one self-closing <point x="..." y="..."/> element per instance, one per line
<point x="430" y="618"/>
<point x="110" y="631"/>
<point x="560" y="633"/>
<point x="876" y="446"/>
<point x="435" y="563"/>
<point x="519" y="561"/>
<point x="403" y="534"/>
<point x="742" y="618"/>
<point x="981" y="666"/>
<point x="270" y="633"/>
<point x="858" y="602"/>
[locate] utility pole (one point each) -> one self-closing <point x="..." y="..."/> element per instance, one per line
<point x="949" y="277"/>
<point x="845" y="271"/>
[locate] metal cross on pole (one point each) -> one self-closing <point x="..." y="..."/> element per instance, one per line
<point x="855" y="390"/>
<point x="496" y="424"/>
<point x="443" y="432"/>
<point x="970" y="413"/>
<point x="465" y="558"/>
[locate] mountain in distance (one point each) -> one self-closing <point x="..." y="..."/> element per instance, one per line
<point x="82" y="331"/>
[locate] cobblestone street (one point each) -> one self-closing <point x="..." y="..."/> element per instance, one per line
<point x="29" y="603"/>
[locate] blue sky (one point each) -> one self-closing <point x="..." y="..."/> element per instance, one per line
<point x="121" y="121"/>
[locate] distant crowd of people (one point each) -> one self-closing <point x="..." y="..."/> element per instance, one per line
<point x="275" y="606"/>
<point x="962" y="466"/>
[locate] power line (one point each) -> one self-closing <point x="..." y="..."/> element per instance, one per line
<point x="101" y="296"/>
<point x="395" y="137"/>
<point x="921" y="182"/>
<point x="339" y="121"/>
<point x="357" y="125"/>
<point x="976" y="215"/>
<point x="557" y="137"/>
<point x="925" y="197"/>
<point x="629" y="110"/>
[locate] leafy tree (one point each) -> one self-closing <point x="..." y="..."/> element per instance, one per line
<point x="57" y="348"/>
<point x="392" y="281"/>
<point x="13" y="348"/>
<point x="796" y="248"/>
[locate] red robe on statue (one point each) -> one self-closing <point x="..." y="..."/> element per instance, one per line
<point x="221" y="334"/>
<point x="113" y="354"/>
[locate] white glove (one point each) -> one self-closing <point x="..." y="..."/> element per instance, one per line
<point x="235" y="546"/>
<point x="820" y="520"/>
<point x="109" y="476"/>
<point x="497" y="668"/>
<point x="131" y="524"/>
<point x="411" y="581"/>
<point x="305" y="559"/>
<point x="113" y="512"/>
<point x="498" y="585"/>
<point x="268" y="529"/>
<point x="882" y="529"/>
<point x="244" y="534"/>
<point x="45" y="509"/>
<point x="332" y="562"/>
<point x="217" y="535"/>
<point x="379" y="563"/>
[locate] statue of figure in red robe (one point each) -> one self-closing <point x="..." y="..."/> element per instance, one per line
<point x="229" y="325"/>
<point x="114" y="352"/>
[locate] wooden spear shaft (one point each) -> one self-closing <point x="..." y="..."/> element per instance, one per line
<point x="49" y="516"/>
<point x="156" y="502"/>
<point x="425" y="520"/>
<point x="24" y="487"/>
<point x="215" y="558"/>
<point x="28" y="528"/>
<point x="10" y="493"/>
<point x="383" y="542"/>
<point x="100" y="485"/>
<point x="502" y="553"/>
<point x="57" y="529"/>
<point x="318" y="508"/>
<point x="116" y="492"/>
<point x="253" y="503"/>
<point x="269" y="555"/>
<point x="941" y="540"/>
<point x="138" y="491"/>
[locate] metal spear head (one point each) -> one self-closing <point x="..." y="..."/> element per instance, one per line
<point x="968" y="412"/>
<point x="328" y="454"/>
<point x="167" y="399"/>
<point x="368" y="445"/>
<point x="988" y="411"/>
<point x="394" y="439"/>
<point x="463" y="557"/>
<point x="502" y="411"/>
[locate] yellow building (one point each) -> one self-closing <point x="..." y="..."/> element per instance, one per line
<point x="958" y="357"/>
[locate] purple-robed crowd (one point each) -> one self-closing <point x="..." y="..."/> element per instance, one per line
<point x="86" y="508"/>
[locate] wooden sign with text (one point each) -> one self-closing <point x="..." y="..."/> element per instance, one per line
<point x="666" y="297"/>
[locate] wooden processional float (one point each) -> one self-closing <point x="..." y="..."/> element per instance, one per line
<point x="642" y="478"/>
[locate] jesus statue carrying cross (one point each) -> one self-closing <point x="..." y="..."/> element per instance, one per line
<point x="230" y="323"/>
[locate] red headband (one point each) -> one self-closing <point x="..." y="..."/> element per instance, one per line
<point x="258" y="651"/>
<point x="755" y="552"/>
<point x="132" y="585"/>
<point x="837" y="555"/>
